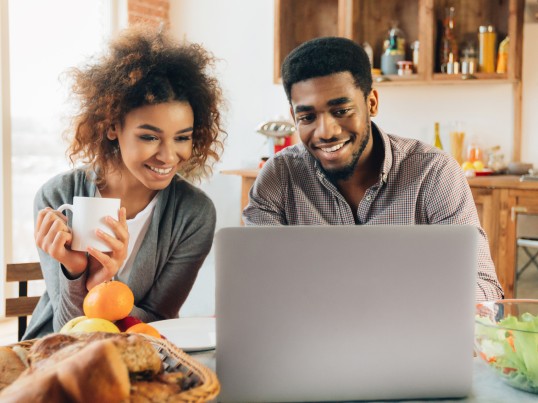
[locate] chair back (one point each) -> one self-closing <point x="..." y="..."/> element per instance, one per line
<point x="23" y="305"/>
<point x="527" y="226"/>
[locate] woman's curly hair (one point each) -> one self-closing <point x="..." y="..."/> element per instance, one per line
<point x="145" y="66"/>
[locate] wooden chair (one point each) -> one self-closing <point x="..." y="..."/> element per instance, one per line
<point x="22" y="306"/>
<point x="526" y="242"/>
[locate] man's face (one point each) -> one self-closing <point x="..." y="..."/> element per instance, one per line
<point x="333" y="121"/>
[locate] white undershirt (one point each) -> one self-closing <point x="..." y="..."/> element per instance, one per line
<point x="138" y="226"/>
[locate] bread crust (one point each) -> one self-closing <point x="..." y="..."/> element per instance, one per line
<point x="134" y="349"/>
<point x="11" y="366"/>
<point x="96" y="373"/>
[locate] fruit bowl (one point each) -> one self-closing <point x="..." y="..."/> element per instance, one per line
<point x="506" y="339"/>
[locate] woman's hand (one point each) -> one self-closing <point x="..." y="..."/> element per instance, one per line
<point x="54" y="237"/>
<point x="104" y="266"/>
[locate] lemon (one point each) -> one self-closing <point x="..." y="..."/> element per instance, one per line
<point x="95" y="325"/>
<point x="478" y="165"/>
<point x="467" y="166"/>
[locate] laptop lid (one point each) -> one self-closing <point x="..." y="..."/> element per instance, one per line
<point x="316" y="313"/>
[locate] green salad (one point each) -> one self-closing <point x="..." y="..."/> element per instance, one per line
<point x="513" y="350"/>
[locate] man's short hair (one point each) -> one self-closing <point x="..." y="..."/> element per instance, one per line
<point x="325" y="56"/>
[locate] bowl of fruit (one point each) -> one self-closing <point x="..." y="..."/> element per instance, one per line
<point x="506" y="340"/>
<point x="475" y="168"/>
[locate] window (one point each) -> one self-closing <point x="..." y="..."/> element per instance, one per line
<point x="45" y="39"/>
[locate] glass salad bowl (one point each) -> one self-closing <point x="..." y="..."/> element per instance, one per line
<point x="506" y="339"/>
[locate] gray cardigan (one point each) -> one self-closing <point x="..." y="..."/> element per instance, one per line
<point x="177" y="241"/>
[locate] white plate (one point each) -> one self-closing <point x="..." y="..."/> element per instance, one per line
<point x="189" y="334"/>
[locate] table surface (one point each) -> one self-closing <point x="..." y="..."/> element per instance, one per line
<point x="487" y="388"/>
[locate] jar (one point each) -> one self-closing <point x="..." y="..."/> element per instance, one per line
<point x="405" y="68"/>
<point x="474" y="152"/>
<point x="415" y="47"/>
<point x="469" y="60"/>
<point x="394" y="51"/>
<point x="487" y="38"/>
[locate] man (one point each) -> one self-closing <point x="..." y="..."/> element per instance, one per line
<point x="347" y="171"/>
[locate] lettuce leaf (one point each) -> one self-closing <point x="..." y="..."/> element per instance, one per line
<point x="511" y="347"/>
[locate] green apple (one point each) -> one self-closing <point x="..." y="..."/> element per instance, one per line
<point x="69" y="325"/>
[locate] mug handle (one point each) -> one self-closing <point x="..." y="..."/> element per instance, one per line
<point x="65" y="206"/>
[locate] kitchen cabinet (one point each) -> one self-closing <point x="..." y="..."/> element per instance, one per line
<point x="297" y="21"/>
<point x="499" y="200"/>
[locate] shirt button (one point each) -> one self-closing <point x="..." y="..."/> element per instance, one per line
<point x="368" y="198"/>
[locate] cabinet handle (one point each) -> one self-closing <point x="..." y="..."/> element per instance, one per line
<point x="517" y="209"/>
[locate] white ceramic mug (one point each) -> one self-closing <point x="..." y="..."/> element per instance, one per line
<point x="89" y="215"/>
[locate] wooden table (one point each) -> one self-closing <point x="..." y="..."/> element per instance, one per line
<point x="486" y="388"/>
<point x="499" y="200"/>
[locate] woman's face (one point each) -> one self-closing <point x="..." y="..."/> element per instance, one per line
<point x="155" y="141"/>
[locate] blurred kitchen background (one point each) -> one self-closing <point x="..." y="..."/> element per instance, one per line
<point x="42" y="39"/>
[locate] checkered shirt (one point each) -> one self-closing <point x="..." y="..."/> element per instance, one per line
<point x="418" y="184"/>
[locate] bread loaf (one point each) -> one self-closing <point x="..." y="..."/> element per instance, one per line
<point x="96" y="373"/>
<point x="11" y="366"/>
<point x="44" y="388"/>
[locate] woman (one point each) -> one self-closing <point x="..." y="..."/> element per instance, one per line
<point x="149" y="119"/>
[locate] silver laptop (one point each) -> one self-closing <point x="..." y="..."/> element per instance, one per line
<point x="334" y="313"/>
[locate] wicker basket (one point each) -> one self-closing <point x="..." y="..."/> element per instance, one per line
<point x="203" y="384"/>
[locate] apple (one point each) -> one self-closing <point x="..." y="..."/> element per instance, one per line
<point x="69" y="325"/>
<point x="85" y="324"/>
<point x="127" y="322"/>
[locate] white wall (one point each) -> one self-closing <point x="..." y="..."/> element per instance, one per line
<point x="240" y="33"/>
<point x="485" y="112"/>
<point x="530" y="93"/>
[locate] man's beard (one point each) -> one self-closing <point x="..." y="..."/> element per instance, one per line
<point x="341" y="174"/>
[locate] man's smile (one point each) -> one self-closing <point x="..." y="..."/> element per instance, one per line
<point x="333" y="148"/>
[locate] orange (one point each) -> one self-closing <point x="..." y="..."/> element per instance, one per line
<point x="111" y="300"/>
<point x="144" y="328"/>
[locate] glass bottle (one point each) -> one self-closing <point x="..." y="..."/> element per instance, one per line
<point x="448" y="52"/>
<point x="502" y="55"/>
<point x="487" y="41"/>
<point x="437" y="139"/>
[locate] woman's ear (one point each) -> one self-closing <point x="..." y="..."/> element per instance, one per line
<point x="112" y="134"/>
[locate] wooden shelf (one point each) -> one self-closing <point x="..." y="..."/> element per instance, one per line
<point x="297" y="21"/>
